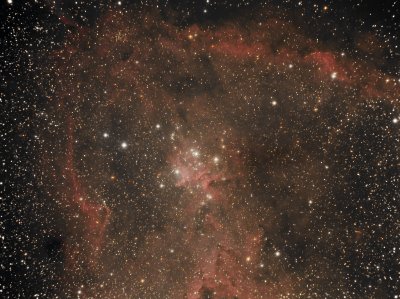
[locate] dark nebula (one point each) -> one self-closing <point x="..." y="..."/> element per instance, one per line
<point x="211" y="149"/>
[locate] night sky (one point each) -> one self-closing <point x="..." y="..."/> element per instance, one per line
<point x="206" y="149"/>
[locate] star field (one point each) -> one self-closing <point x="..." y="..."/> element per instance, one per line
<point x="206" y="149"/>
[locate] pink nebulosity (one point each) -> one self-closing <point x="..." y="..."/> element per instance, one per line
<point x="225" y="265"/>
<point x="96" y="216"/>
<point x="202" y="175"/>
<point x="328" y="65"/>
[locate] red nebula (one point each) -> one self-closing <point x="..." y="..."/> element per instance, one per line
<point x="96" y="216"/>
<point x="328" y="64"/>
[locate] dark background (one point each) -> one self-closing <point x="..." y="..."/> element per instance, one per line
<point x="23" y="47"/>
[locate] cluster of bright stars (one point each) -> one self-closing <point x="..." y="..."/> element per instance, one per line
<point x="196" y="154"/>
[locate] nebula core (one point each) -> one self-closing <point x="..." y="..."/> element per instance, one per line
<point x="158" y="155"/>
